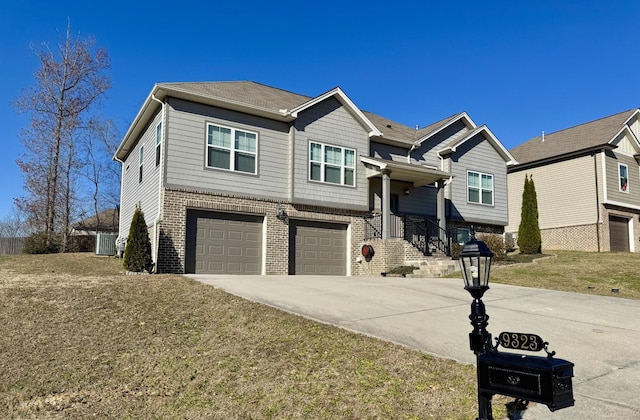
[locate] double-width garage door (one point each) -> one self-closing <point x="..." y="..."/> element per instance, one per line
<point x="317" y="248"/>
<point x="223" y="243"/>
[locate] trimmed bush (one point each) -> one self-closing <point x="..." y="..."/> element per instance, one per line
<point x="529" y="237"/>
<point x="137" y="254"/>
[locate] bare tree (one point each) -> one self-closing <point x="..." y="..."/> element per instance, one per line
<point x="67" y="84"/>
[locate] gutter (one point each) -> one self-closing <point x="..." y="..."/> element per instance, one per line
<point x="156" y="221"/>
<point x="118" y="238"/>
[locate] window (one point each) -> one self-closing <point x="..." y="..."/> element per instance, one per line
<point x="231" y="149"/>
<point x="623" y="173"/>
<point x="479" y="188"/>
<point x="141" y="163"/>
<point x="158" y="142"/>
<point x="332" y="164"/>
<point x="463" y="235"/>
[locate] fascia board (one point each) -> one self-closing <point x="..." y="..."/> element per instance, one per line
<point x="344" y="99"/>
<point x="129" y="138"/>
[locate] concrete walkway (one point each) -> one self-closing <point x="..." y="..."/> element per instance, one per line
<point x="601" y="335"/>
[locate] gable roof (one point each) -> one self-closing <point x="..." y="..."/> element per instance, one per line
<point x="274" y="103"/>
<point x="592" y="135"/>
<point x="488" y="135"/>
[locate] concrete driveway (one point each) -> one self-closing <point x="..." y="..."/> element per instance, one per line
<point x="601" y="335"/>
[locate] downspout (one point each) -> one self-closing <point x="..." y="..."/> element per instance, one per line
<point x="156" y="221"/>
<point x="409" y="153"/>
<point x="118" y="238"/>
<point x="595" y="172"/>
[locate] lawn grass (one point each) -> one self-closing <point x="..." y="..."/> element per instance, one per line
<point x="80" y="339"/>
<point x="573" y="271"/>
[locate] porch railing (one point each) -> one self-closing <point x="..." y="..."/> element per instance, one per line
<point x="423" y="233"/>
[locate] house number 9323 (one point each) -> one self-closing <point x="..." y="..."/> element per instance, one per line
<point x="520" y="341"/>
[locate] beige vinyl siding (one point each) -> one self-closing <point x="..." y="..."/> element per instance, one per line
<point x="331" y="124"/>
<point x="145" y="193"/>
<point x="186" y="152"/>
<point x="478" y="155"/>
<point x="632" y="197"/>
<point x="565" y="191"/>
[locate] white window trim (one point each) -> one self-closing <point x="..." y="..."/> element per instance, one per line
<point x="323" y="164"/>
<point x="231" y="149"/>
<point x="140" y="163"/>
<point x="158" y="142"/>
<point x="480" y="189"/>
<point x="620" y="165"/>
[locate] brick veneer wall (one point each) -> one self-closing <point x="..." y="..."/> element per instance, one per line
<point x="171" y="252"/>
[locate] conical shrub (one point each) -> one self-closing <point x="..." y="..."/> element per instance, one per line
<point x="137" y="253"/>
<point x="529" y="237"/>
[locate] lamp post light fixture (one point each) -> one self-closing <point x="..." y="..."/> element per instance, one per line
<point x="475" y="259"/>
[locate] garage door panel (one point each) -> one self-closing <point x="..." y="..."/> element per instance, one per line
<point x="317" y="248"/>
<point x="619" y="234"/>
<point x="223" y="243"/>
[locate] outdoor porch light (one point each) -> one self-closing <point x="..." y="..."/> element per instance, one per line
<point x="475" y="259"/>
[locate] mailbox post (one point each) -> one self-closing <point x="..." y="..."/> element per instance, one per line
<point x="527" y="378"/>
<point x="475" y="259"/>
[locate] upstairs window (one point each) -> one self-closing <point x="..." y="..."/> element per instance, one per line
<point x="140" y="163"/>
<point x="479" y="188"/>
<point x="332" y="164"/>
<point x="231" y="149"/>
<point x="623" y="174"/>
<point x="158" y="142"/>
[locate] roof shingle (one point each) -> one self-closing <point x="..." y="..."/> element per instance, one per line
<point x="570" y="140"/>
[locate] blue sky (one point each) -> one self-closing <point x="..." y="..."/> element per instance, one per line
<point x="519" y="67"/>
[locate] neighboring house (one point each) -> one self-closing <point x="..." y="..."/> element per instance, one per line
<point x="107" y="221"/>
<point x="239" y="177"/>
<point x="587" y="181"/>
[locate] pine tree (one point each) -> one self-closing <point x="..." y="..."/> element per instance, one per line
<point x="529" y="238"/>
<point x="137" y="253"/>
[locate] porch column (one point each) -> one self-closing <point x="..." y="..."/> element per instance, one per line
<point x="440" y="204"/>
<point x="386" y="203"/>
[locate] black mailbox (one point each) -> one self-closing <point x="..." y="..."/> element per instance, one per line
<point x="533" y="378"/>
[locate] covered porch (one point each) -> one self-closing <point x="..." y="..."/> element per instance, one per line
<point x="425" y="233"/>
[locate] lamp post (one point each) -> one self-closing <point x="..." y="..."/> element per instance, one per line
<point x="475" y="259"/>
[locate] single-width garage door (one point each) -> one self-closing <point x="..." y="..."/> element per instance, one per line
<point x="317" y="248"/>
<point x="618" y="234"/>
<point x="223" y="243"/>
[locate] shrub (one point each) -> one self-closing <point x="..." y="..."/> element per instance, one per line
<point x="403" y="269"/>
<point x="137" y="253"/>
<point x="456" y="248"/>
<point x="36" y="243"/>
<point x="529" y="238"/>
<point x="495" y="244"/>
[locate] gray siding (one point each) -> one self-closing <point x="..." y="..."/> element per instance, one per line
<point x="186" y="152"/>
<point x="143" y="193"/>
<point x="420" y="201"/>
<point x="384" y="151"/>
<point x="329" y="123"/>
<point x="477" y="154"/>
<point x="427" y="153"/>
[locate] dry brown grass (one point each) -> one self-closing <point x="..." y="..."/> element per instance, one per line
<point x="79" y="339"/>
<point x="582" y="272"/>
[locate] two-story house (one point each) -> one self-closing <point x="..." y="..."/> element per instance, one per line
<point x="587" y="181"/>
<point x="239" y="177"/>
